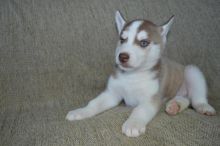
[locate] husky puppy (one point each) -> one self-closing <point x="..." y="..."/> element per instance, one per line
<point x="144" y="79"/>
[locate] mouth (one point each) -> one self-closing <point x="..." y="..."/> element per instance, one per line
<point x="124" y="66"/>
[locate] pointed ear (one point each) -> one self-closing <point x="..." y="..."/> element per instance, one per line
<point x="120" y="21"/>
<point x="166" y="27"/>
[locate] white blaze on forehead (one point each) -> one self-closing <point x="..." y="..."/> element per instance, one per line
<point x="132" y="31"/>
<point x="142" y="35"/>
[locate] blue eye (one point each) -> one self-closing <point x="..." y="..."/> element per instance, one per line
<point x="144" y="43"/>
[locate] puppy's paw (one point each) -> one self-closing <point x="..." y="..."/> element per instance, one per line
<point x="172" y="107"/>
<point x="77" y="114"/>
<point x="205" y="109"/>
<point x="132" y="128"/>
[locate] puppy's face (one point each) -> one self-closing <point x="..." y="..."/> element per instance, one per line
<point x="140" y="44"/>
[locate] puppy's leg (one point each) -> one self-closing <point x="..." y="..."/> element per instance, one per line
<point x="104" y="101"/>
<point x="139" y="118"/>
<point x="197" y="90"/>
<point x="179" y="102"/>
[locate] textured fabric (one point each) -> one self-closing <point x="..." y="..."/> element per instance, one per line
<point x="56" y="55"/>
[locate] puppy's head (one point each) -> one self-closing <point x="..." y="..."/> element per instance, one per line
<point x="140" y="44"/>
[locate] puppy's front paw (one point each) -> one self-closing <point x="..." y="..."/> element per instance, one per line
<point x="77" y="114"/>
<point x="132" y="128"/>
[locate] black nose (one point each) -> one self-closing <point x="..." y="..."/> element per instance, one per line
<point x="123" y="57"/>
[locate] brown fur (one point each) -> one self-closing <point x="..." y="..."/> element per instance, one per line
<point x="157" y="69"/>
<point x="152" y="31"/>
<point x="127" y="26"/>
<point x="171" y="78"/>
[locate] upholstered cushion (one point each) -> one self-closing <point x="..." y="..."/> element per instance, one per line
<point x="57" y="55"/>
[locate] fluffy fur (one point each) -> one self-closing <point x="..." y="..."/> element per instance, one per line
<point x="144" y="79"/>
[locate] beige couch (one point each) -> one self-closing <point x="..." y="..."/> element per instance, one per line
<point x="56" y="55"/>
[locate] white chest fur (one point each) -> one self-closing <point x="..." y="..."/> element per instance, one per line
<point x="134" y="88"/>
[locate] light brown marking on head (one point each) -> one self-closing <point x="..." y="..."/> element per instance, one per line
<point x="127" y="25"/>
<point x="152" y="31"/>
